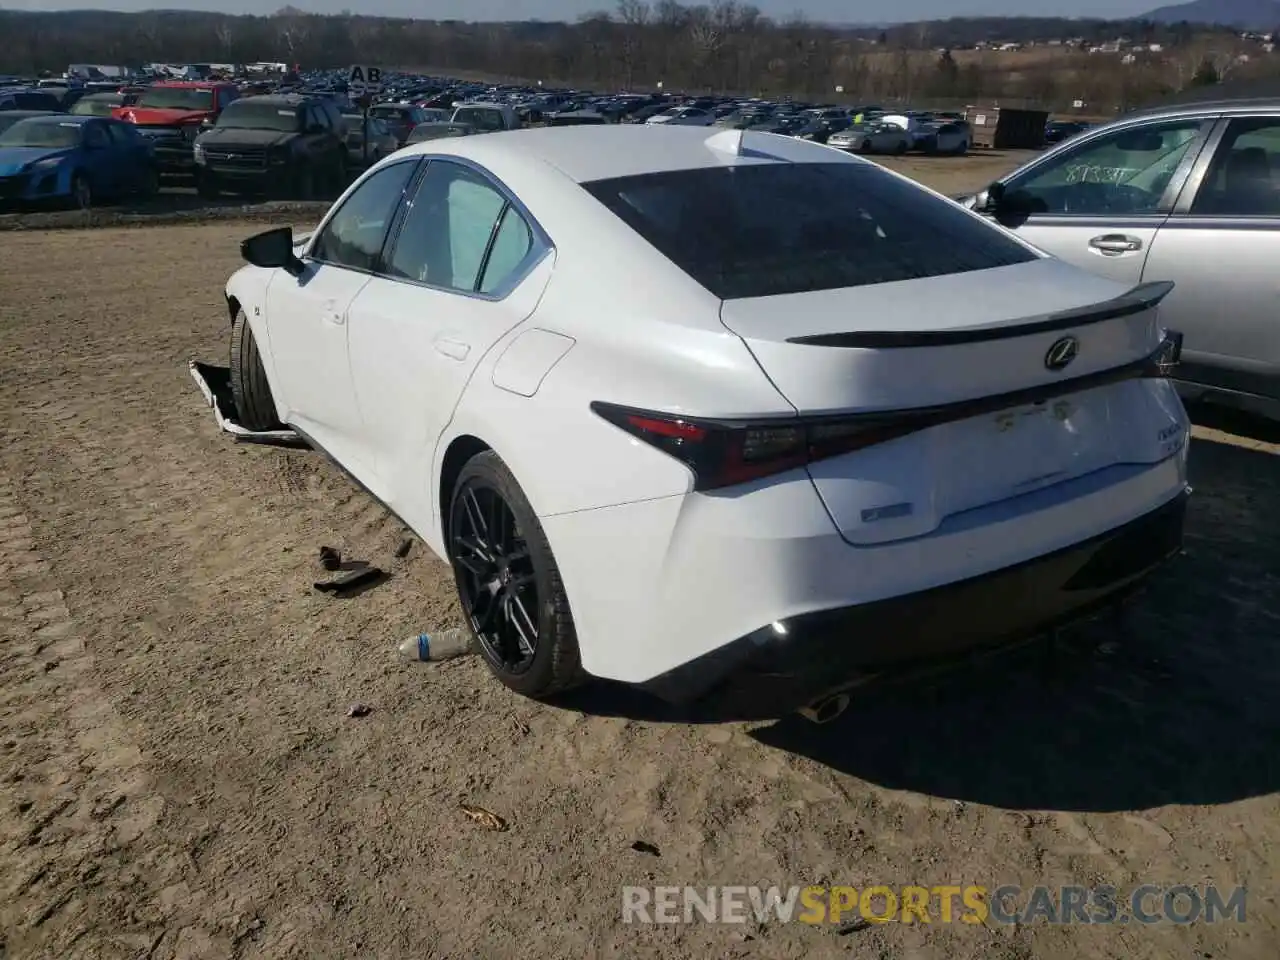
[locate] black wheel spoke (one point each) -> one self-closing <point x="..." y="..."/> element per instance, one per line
<point x="526" y="629"/>
<point x="496" y="579"/>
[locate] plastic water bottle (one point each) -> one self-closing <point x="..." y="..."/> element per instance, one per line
<point x="445" y="645"/>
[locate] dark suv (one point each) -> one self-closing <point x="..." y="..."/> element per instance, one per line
<point x="289" y="144"/>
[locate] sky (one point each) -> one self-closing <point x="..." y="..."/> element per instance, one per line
<point x="831" y="11"/>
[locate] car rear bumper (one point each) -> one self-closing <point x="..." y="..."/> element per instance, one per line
<point x="788" y="663"/>
<point x="688" y="577"/>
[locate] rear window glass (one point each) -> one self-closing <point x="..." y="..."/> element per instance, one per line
<point x="760" y="230"/>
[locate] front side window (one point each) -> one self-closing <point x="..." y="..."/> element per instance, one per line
<point x="1244" y="178"/>
<point x="1125" y="172"/>
<point x="354" y="235"/>
<point x="448" y="231"/>
<point x="765" y="229"/>
<point x="95" y="136"/>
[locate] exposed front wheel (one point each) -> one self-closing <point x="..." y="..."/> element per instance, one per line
<point x="255" y="406"/>
<point x="508" y="582"/>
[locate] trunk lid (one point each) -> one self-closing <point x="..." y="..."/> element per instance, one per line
<point x="997" y="352"/>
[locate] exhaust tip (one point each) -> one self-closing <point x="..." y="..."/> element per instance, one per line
<point x="826" y="709"/>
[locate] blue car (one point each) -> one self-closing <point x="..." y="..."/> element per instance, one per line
<point x="74" y="159"/>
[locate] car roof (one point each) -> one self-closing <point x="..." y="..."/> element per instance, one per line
<point x="1245" y="96"/>
<point x="592" y="152"/>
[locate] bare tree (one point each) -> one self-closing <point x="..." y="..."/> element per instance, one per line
<point x="721" y="45"/>
<point x="633" y="17"/>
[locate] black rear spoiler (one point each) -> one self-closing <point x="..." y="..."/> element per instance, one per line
<point x="1142" y="297"/>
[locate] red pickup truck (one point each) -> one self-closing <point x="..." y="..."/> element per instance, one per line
<point x="172" y="113"/>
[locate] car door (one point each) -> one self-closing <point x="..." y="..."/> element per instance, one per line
<point x="468" y="264"/>
<point x="1098" y="203"/>
<point x="1221" y="247"/>
<point x="129" y="154"/>
<point x="307" y="316"/>
<point x="104" y="168"/>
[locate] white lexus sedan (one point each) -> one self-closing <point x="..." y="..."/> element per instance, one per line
<point x="729" y="416"/>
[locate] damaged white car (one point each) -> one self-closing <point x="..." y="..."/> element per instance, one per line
<point x="730" y="416"/>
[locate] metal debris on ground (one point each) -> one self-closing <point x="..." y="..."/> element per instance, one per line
<point x="358" y="710"/>
<point x="349" y="580"/>
<point x="331" y="558"/>
<point x="486" y="818"/>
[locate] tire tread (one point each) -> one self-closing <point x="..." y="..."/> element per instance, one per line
<point x="255" y="406"/>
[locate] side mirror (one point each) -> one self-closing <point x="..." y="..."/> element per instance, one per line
<point x="272" y="249"/>
<point x="992" y="199"/>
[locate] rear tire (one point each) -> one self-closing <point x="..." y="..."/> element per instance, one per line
<point x="508" y="581"/>
<point x="255" y="406"/>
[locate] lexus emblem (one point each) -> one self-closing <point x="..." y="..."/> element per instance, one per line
<point x="1061" y="353"/>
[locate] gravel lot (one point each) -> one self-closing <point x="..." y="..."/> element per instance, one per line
<point x="178" y="777"/>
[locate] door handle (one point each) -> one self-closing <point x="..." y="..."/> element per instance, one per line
<point x="453" y="349"/>
<point x="1111" y="244"/>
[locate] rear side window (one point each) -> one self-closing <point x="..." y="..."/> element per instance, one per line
<point x="761" y="230"/>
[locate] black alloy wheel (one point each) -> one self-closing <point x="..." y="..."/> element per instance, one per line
<point x="509" y="583"/>
<point x="496" y="580"/>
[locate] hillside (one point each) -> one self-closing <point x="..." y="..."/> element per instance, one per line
<point x="1262" y="15"/>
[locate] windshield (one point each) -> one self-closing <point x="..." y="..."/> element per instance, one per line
<point x="94" y="107"/>
<point x="177" y="98"/>
<point x="41" y="133"/>
<point x="482" y="118"/>
<point x="9" y="117"/>
<point x="774" y="228"/>
<point x="247" y="115"/>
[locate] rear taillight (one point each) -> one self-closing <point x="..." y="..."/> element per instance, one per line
<point x="724" y="453"/>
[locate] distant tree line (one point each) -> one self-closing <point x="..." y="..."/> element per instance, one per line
<point x="725" y="47"/>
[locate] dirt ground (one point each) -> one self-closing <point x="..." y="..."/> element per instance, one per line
<point x="178" y="777"/>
